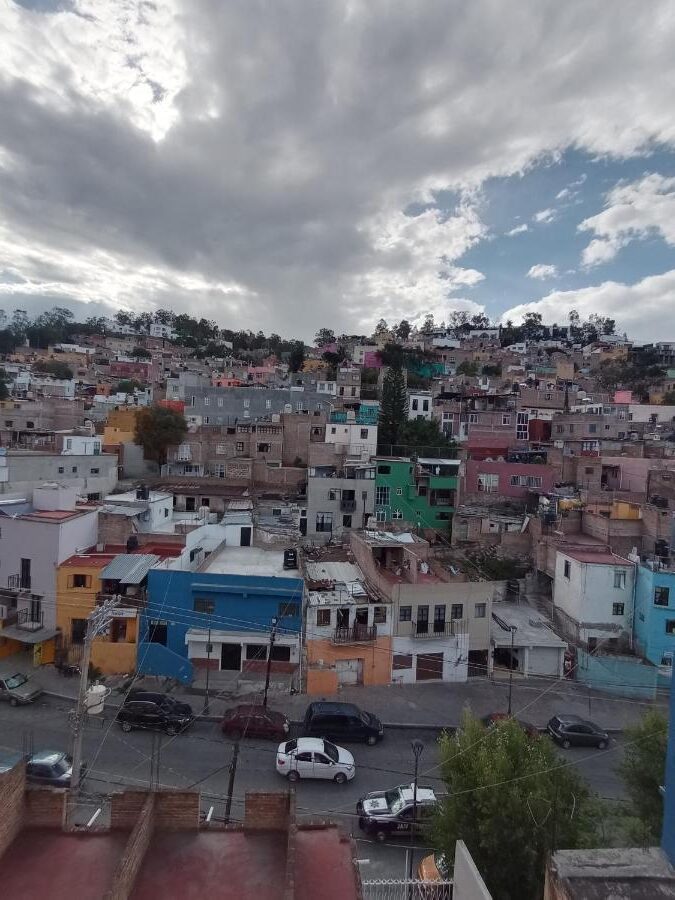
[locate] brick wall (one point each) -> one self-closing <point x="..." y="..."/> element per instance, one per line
<point x="125" y="808"/>
<point x="134" y="852"/>
<point x="114" y="529"/>
<point x="268" y="811"/>
<point x="45" y="808"/>
<point x="12" y="787"/>
<point x="177" y="810"/>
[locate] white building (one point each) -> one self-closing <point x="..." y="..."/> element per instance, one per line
<point x="533" y="649"/>
<point x="153" y="508"/>
<point x="419" y="405"/>
<point x="82" y="445"/>
<point x="357" y="441"/>
<point x="162" y="331"/>
<point x="593" y="596"/>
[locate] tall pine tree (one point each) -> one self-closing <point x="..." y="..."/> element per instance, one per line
<point x="393" y="411"/>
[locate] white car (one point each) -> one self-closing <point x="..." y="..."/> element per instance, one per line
<point x="315" y="758"/>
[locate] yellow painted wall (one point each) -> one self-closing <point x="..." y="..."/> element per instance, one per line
<point x="322" y="682"/>
<point x="623" y="510"/>
<point x="376" y="657"/>
<point x="8" y="647"/>
<point x="114" y="659"/>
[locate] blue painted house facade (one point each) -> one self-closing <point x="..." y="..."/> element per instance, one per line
<point x="654" y="618"/>
<point x="221" y="619"/>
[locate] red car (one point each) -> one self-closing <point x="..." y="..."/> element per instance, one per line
<point x="255" y="721"/>
<point x="495" y="718"/>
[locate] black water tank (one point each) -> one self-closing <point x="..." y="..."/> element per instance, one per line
<point x="291" y="558"/>
<point x="132" y="543"/>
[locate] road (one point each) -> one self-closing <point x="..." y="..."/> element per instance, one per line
<point x="200" y="759"/>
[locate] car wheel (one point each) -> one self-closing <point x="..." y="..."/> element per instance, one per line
<point x="371" y="739"/>
<point x="293" y="776"/>
<point x="565" y="744"/>
<point x="380" y="836"/>
<point x="362" y="823"/>
<point x="340" y="778"/>
<point x="13" y="701"/>
<point x="126" y="726"/>
<point x="171" y="730"/>
<point x="602" y="745"/>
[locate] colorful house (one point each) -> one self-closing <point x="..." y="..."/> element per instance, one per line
<point x="419" y="493"/>
<point x="654" y="621"/>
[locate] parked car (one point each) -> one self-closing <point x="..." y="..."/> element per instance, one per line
<point x="51" y="767"/>
<point x="158" y="716"/>
<point x="314" y="758"/>
<point x="342" y="722"/>
<point x="573" y="731"/>
<point x="19" y="689"/>
<point x="495" y="718"/>
<point x="432" y="870"/>
<point x="390" y="813"/>
<point x="162" y="699"/>
<point x="255" y="721"/>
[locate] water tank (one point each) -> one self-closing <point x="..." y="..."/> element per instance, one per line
<point x="132" y="543"/>
<point x="95" y="698"/>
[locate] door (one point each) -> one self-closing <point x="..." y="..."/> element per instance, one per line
<point x="429" y="666"/>
<point x="422" y="619"/>
<point x="230" y="657"/>
<point x="323" y="767"/>
<point x="304" y="764"/>
<point x="349" y="671"/>
<point x="25" y="574"/>
<point x="245" y="536"/>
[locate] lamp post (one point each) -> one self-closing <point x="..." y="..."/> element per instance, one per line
<point x="273" y="634"/>
<point x="209" y="650"/>
<point x="417" y="748"/>
<point x="513" y="630"/>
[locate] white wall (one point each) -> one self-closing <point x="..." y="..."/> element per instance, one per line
<point x="455" y="656"/>
<point x="468" y="883"/>
<point x="423" y="402"/>
<point x="357" y="440"/>
<point x="81" y="445"/>
<point x="588" y="595"/>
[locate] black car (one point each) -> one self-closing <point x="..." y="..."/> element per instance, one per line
<point x="389" y="813"/>
<point x="341" y="722"/>
<point x="159" y="697"/>
<point x="573" y="731"/>
<point x="157" y="716"/>
<point x="52" y="768"/>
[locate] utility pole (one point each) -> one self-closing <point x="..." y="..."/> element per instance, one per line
<point x="209" y="649"/>
<point x="230" y="784"/>
<point x="513" y="637"/>
<point x="97" y="622"/>
<point x="417" y="748"/>
<point x="273" y="634"/>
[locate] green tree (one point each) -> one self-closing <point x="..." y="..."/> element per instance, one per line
<point x="492" y="370"/>
<point x="4" y="390"/>
<point x="669" y="398"/>
<point x="297" y="357"/>
<point x="428" y="325"/>
<point x="324" y="336"/>
<point x="421" y="435"/>
<point x="54" y="368"/>
<point x="403" y="329"/>
<point x="643" y="771"/>
<point x="468" y="367"/>
<point x="128" y="386"/>
<point x="394" y="407"/>
<point x="141" y="353"/>
<point x="157" y="429"/>
<point x="511" y="802"/>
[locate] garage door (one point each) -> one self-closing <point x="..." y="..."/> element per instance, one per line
<point x="429" y="666"/>
<point x="349" y="671"/>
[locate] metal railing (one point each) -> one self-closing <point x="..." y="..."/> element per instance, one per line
<point x="356" y="634"/>
<point x="439" y="628"/>
<point x="405" y="889"/>
<point x="26" y="619"/>
<point x="18" y="582"/>
<point x="347" y="505"/>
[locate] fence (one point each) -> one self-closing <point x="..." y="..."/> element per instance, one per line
<point x="405" y="889"/>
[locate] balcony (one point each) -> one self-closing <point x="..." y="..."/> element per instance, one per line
<point x="347" y="506"/>
<point x="18" y="582"/>
<point x="357" y="634"/>
<point x="25" y="619"/>
<point x="438" y="629"/>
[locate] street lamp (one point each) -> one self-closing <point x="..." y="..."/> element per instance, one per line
<point x="417" y="747"/>
<point x="513" y="630"/>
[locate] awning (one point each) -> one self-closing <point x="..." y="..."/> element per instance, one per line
<point x="15" y="633"/>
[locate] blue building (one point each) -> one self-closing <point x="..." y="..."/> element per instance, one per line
<point x="220" y="616"/>
<point x="654" y="618"/>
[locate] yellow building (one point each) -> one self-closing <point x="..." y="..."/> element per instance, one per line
<point x="119" y="426"/>
<point x="78" y="583"/>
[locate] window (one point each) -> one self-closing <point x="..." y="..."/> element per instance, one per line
<point x="405" y="614"/>
<point x="247" y="404"/>
<point x="298" y="405"/>
<point x="488" y="483"/>
<point x="560" y="429"/>
<point x="506" y="419"/>
<point x="263" y="448"/>
<point x="402" y="661"/>
<point x="399" y="492"/>
<point x="288" y="610"/>
<point x="661" y="596"/>
<point x="617" y="609"/>
<point x="364" y="434"/>
<point x="157" y="632"/>
<point x="347" y="521"/>
<point x="166" y="513"/>
<point x="567" y="569"/>
<point x="9" y="423"/>
<point x="384" y="470"/>
<point x="74" y="469"/>
<point x="397" y="514"/>
<point x="620" y="578"/>
<point x="80" y="581"/>
<point x="479" y="610"/>
<point x="425" y="406"/>
<point x="533" y="481"/>
<point x="414" y="404"/>
<point x="206" y="420"/>
<point x="473" y="418"/>
<point x="588" y="470"/>
<point x="239" y="446"/>
<point x="323" y="616"/>
<point x="204" y="606"/>
<point x="456" y="610"/>
<point x="220" y="449"/>
<point x="256" y="651"/>
<point x="207" y="401"/>
<point x="276" y="511"/>
<point x="324" y="522"/>
<point x="382" y="495"/>
<point x="380" y="515"/>
<point x="380" y="615"/>
<point x="592" y="428"/>
<point x="667" y="659"/>
<point x="670" y="626"/>
<point x="94" y="471"/>
<point x="220" y="401"/>
<point x="61" y="470"/>
<point x="334" y="494"/>
<point x="30" y="424"/>
<point x="69" y="444"/>
<point x="268" y="404"/>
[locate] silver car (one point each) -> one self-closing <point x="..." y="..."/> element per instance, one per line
<point x="19" y="689"/>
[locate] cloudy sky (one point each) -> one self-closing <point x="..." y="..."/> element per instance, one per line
<point x="290" y="164"/>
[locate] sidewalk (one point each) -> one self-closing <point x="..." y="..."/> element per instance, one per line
<point x="430" y="705"/>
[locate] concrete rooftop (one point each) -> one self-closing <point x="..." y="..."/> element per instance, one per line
<point x="249" y="561"/>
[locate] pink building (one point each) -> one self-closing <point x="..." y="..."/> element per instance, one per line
<point x="508" y="479"/>
<point x="372" y="359"/>
<point x="260" y="374"/>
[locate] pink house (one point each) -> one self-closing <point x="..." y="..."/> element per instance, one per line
<point x="372" y="359"/>
<point x="623" y="397"/>
<point x="508" y="479"/>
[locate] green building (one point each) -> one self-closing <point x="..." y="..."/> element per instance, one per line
<point x="420" y="493"/>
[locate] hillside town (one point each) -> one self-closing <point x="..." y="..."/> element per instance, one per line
<point x="412" y="523"/>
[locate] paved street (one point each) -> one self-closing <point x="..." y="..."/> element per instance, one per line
<point x="201" y="759"/>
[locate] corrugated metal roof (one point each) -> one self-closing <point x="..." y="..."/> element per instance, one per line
<point x="130" y="568"/>
<point x="344" y="572"/>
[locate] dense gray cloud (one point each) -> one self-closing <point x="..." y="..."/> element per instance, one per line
<point x="253" y="161"/>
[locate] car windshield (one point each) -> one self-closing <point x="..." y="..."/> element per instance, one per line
<point x="555" y="722"/>
<point x="395" y="800"/>
<point x="365" y="718"/>
<point x="61" y="766"/>
<point x="331" y="750"/>
<point x="16" y="681"/>
<point x="290" y="745"/>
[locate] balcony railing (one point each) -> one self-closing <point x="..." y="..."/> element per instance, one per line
<point x="26" y="619"/>
<point x="347" y="505"/>
<point x="18" y="582"/>
<point x="357" y="634"/>
<point x="439" y="628"/>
